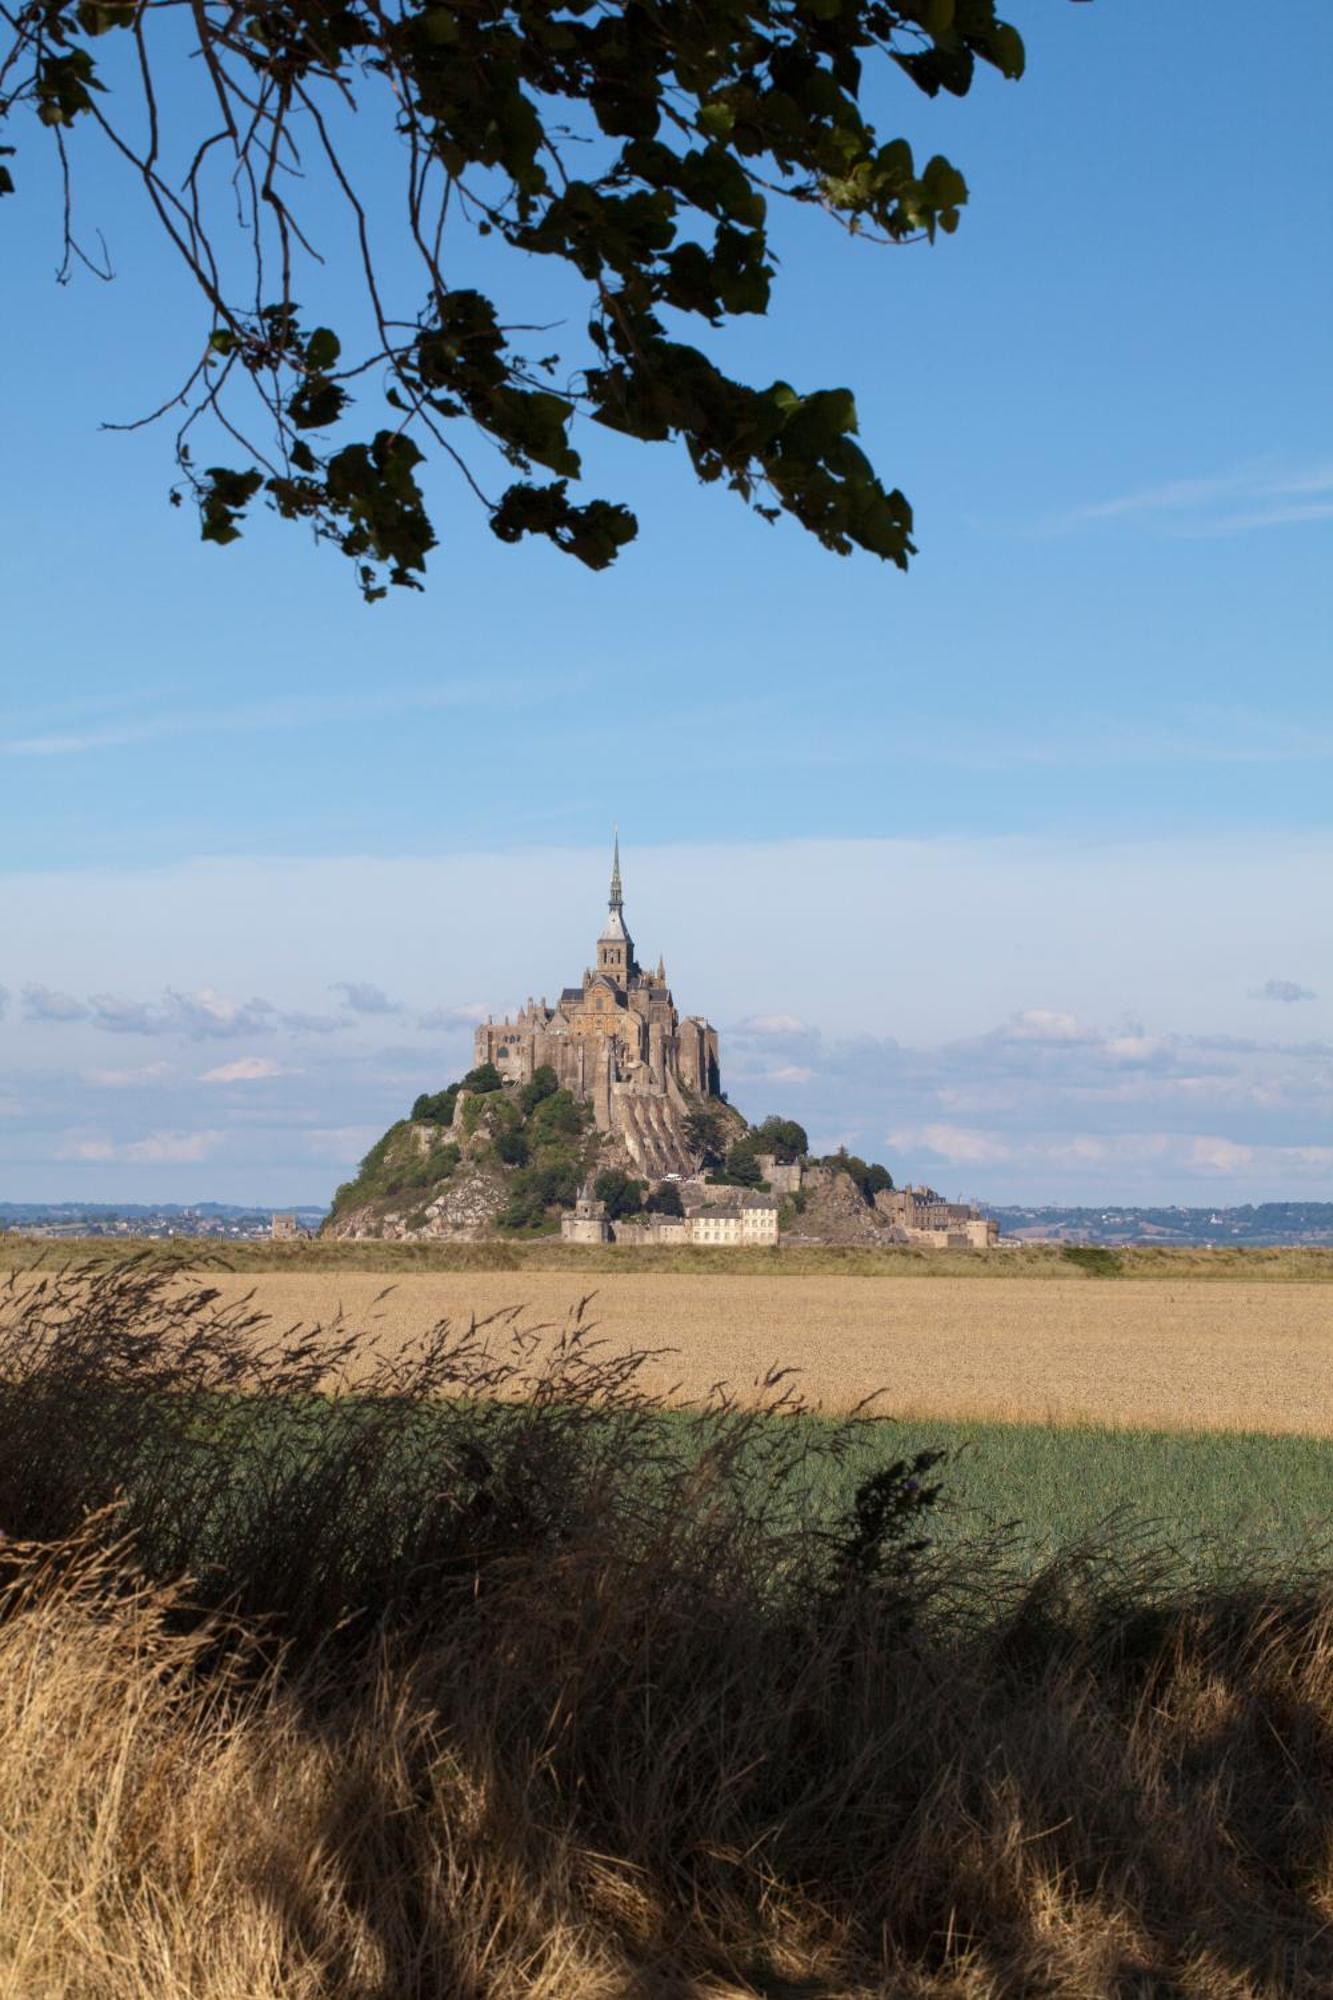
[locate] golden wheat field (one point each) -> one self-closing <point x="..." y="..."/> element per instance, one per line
<point x="1164" y="1355"/>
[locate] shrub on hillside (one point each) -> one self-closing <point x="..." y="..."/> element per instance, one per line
<point x="558" y="1115"/>
<point x="483" y="1079"/>
<point x="782" y="1137"/>
<point x="437" y="1109"/>
<point x="622" y="1194"/>
<point x="743" y="1169"/>
<point x="552" y="1182"/>
<point x="869" y="1179"/>
<point x="665" y="1200"/>
<point x="706" y="1136"/>
<point x="511" y="1146"/>
<point x="543" y="1084"/>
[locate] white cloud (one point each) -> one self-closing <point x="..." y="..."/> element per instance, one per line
<point x="128" y="1079"/>
<point x="201" y="1015"/>
<point x="344" y="1145"/>
<point x="42" y="1003"/>
<point x="1042" y="1024"/>
<point x="155" y="1148"/>
<point x="1221" y="1156"/>
<point x="257" y="718"/>
<point x="1136" y="1048"/>
<point x="440" y="1019"/>
<point x="246" y="1069"/>
<point x="1285" y="990"/>
<point x="862" y="1004"/>
<point x="362" y="998"/>
<point x="1259" y="494"/>
<point x="957" y="1144"/>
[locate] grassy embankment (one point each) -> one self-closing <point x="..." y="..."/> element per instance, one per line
<point x="1261" y="1266"/>
<point x="563" y="1697"/>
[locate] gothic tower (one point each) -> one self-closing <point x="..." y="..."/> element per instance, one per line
<point x="615" y="947"/>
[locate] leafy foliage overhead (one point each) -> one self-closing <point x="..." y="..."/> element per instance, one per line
<point x="639" y="144"/>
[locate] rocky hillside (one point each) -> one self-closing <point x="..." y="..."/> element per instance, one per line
<point x="483" y="1156"/>
<point x="835" y="1206"/>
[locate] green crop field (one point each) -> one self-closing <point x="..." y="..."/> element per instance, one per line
<point x="1211" y="1496"/>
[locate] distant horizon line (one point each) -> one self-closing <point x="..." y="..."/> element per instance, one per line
<point x="1011" y="1206"/>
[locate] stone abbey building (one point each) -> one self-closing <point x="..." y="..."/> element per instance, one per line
<point x="618" y="1043"/>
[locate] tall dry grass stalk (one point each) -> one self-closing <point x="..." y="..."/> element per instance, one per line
<point x="704" y="1751"/>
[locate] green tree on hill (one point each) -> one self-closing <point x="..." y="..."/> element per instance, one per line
<point x="665" y="1200"/>
<point x="782" y="1137"/>
<point x="743" y="1165"/>
<point x="437" y="1109"/>
<point x="869" y="1179"/>
<point x="483" y="1079"/>
<point x="622" y="1194"/>
<point x="706" y="1136"/>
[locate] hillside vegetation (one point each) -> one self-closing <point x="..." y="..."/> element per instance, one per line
<point x="474" y="1157"/>
<point x="488" y="1158"/>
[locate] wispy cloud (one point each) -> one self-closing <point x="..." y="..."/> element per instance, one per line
<point x="1259" y="494"/>
<point x="439" y="1020"/>
<point x="203" y="1015"/>
<point x="1208" y="1156"/>
<point x="247" y="1069"/>
<point x="128" y="1079"/>
<point x="261" y="718"/>
<point x="156" y="1148"/>
<point x="958" y="1145"/>
<point x="1286" y="990"/>
<point x="363" y="998"/>
<point x="43" y="1003"/>
<point x="342" y="1145"/>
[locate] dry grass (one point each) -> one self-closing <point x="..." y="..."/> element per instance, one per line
<point x="622" y="1727"/>
<point x="1157" y="1355"/>
<point x="597" y="1793"/>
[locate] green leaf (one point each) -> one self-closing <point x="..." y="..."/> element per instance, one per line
<point x="717" y="120"/>
<point x="316" y="403"/>
<point x="322" y="349"/>
<point x="441" y="27"/>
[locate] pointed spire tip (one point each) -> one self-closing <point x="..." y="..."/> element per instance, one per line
<point x="617" y="894"/>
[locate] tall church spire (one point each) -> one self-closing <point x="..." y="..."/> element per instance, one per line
<point x="617" y="894"/>
<point x="615" y="947"/>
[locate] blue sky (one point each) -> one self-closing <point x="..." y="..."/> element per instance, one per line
<point x="1014" y="871"/>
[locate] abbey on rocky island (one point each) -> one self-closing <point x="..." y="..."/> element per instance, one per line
<point x="618" y="1043"/>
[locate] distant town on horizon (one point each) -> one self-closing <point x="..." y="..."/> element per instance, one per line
<point x="1260" y="1224"/>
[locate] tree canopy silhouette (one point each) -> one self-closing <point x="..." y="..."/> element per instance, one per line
<point x="639" y="142"/>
